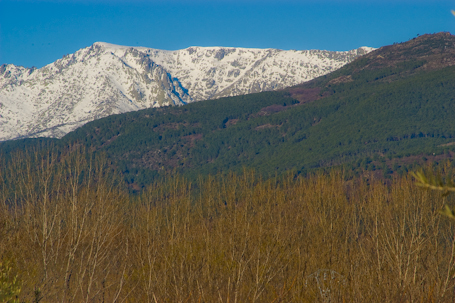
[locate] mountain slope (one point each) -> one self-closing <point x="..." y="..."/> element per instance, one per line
<point x="384" y="111"/>
<point x="88" y="85"/>
<point x="214" y="72"/>
<point x="374" y="108"/>
<point x="106" y="79"/>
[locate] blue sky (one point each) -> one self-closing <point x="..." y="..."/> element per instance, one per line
<point x="36" y="33"/>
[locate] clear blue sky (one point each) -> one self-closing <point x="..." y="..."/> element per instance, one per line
<point x="36" y="33"/>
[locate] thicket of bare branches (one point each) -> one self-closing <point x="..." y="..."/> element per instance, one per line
<point x="75" y="236"/>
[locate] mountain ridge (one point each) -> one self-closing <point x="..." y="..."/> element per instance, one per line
<point x="105" y="79"/>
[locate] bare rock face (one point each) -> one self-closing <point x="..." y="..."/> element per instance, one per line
<point x="106" y="79"/>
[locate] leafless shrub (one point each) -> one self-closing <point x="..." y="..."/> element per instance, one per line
<point x="75" y="235"/>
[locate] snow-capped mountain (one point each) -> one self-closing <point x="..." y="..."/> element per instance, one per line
<point x="106" y="79"/>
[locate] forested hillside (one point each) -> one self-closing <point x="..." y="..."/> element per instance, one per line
<point x="386" y="111"/>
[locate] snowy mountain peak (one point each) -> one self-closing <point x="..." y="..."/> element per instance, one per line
<point x="105" y="79"/>
<point x="110" y="45"/>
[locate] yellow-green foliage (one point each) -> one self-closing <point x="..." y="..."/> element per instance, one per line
<point x="79" y="238"/>
<point x="428" y="180"/>
<point x="9" y="284"/>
